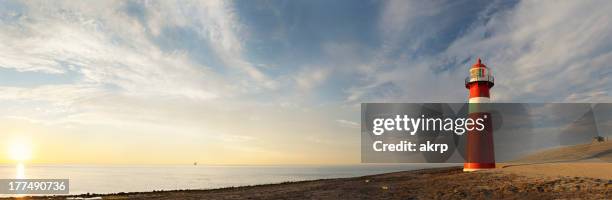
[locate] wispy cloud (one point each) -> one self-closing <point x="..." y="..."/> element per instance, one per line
<point x="540" y="52"/>
<point x="347" y="123"/>
<point x="311" y="77"/>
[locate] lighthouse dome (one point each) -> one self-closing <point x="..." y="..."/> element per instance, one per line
<point x="479" y="64"/>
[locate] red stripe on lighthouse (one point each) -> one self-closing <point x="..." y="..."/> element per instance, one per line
<point x="479" y="89"/>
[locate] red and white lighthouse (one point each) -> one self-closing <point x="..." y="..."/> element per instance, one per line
<point x="479" y="150"/>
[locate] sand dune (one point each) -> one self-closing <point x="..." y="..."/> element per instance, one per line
<point x="585" y="160"/>
<point x="590" y="170"/>
<point x="592" y="152"/>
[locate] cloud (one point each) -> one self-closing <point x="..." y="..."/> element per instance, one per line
<point x="120" y="78"/>
<point x="311" y="77"/>
<point x="546" y="52"/>
<point x="349" y="124"/>
<point x="106" y="46"/>
<point x="539" y="52"/>
<point x="218" y="22"/>
<point x="102" y="49"/>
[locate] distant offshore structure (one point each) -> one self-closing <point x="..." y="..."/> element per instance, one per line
<point x="479" y="151"/>
<point x="195" y="163"/>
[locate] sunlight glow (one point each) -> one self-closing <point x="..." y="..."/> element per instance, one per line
<point x="19" y="150"/>
<point x="20" y="171"/>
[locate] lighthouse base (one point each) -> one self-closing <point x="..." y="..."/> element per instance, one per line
<point x="470" y="167"/>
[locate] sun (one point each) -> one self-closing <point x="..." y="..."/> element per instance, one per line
<point x="19" y="150"/>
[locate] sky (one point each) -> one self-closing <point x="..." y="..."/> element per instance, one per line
<point x="267" y="81"/>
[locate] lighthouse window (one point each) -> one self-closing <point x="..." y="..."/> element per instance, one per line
<point x="479" y="72"/>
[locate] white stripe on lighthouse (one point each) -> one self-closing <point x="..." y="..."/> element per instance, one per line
<point x="479" y="100"/>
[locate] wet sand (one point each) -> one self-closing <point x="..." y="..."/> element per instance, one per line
<point x="439" y="183"/>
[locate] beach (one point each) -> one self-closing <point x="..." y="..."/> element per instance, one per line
<point x="569" y="172"/>
<point x="438" y="183"/>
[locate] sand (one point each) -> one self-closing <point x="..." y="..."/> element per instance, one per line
<point x="591" y="153"/>
<point x="591" y="160"/>
<point x="590" y="170"/>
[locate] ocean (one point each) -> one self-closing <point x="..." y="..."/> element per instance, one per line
<point x="140" y="178"/>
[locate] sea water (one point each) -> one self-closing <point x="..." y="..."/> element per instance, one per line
<point x="140" y="178"/>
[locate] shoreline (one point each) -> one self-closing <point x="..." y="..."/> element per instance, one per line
<point x="445" y="182"/>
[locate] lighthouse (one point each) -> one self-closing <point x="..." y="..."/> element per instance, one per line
<point x="479" y="153"/>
